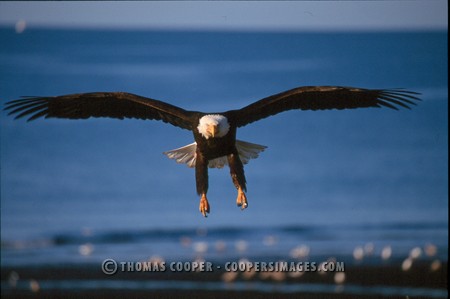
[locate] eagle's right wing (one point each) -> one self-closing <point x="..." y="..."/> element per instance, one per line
<point x="100" y="104"/>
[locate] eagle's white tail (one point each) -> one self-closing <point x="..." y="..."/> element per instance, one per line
<point x="187" y="155"/>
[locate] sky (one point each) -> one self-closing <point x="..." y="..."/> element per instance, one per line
<point x="228" y="15"/>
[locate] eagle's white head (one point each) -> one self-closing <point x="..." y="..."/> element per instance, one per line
<point x="213" y="125"/>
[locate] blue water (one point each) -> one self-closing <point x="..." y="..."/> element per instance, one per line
<point x="330" y="180"/>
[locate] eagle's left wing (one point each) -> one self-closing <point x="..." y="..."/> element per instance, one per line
<point x="322" y="98"/>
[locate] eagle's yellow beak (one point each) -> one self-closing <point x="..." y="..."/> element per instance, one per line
<point x="213" y="129"/>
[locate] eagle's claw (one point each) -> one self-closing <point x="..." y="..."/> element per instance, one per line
<point x="204" y="205"/>
<point x="241" y="200"/>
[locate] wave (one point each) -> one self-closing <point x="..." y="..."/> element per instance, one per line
<point x="225" y="233"/>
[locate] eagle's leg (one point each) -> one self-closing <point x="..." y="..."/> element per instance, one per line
<point x="201" y="177"/>
<point x="238" y="177"/>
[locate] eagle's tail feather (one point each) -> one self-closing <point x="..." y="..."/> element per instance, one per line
<point x="186" y="154"/>
<point x="247" y="150"/>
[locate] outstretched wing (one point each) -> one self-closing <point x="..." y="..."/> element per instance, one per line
<point x="321" y="98"/>
<point x="100" y="104"/>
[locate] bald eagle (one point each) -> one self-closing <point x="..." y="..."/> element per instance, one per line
<point x="214" y="133"/>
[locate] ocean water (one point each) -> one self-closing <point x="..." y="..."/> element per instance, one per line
<point x="77" y="192"/>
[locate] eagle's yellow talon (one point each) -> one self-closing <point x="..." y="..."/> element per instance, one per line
<point x="204" y="205"/>
<point x="241" y="200"/>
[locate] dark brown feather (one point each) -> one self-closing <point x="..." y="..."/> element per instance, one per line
<point x="323" y="98"/>
<point x="101" y="104"/>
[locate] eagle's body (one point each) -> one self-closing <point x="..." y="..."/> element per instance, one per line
<point x="214" y="133"/>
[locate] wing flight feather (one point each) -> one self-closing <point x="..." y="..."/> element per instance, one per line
<point x="100" y="104"/>
<point x="324" y="98"/>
